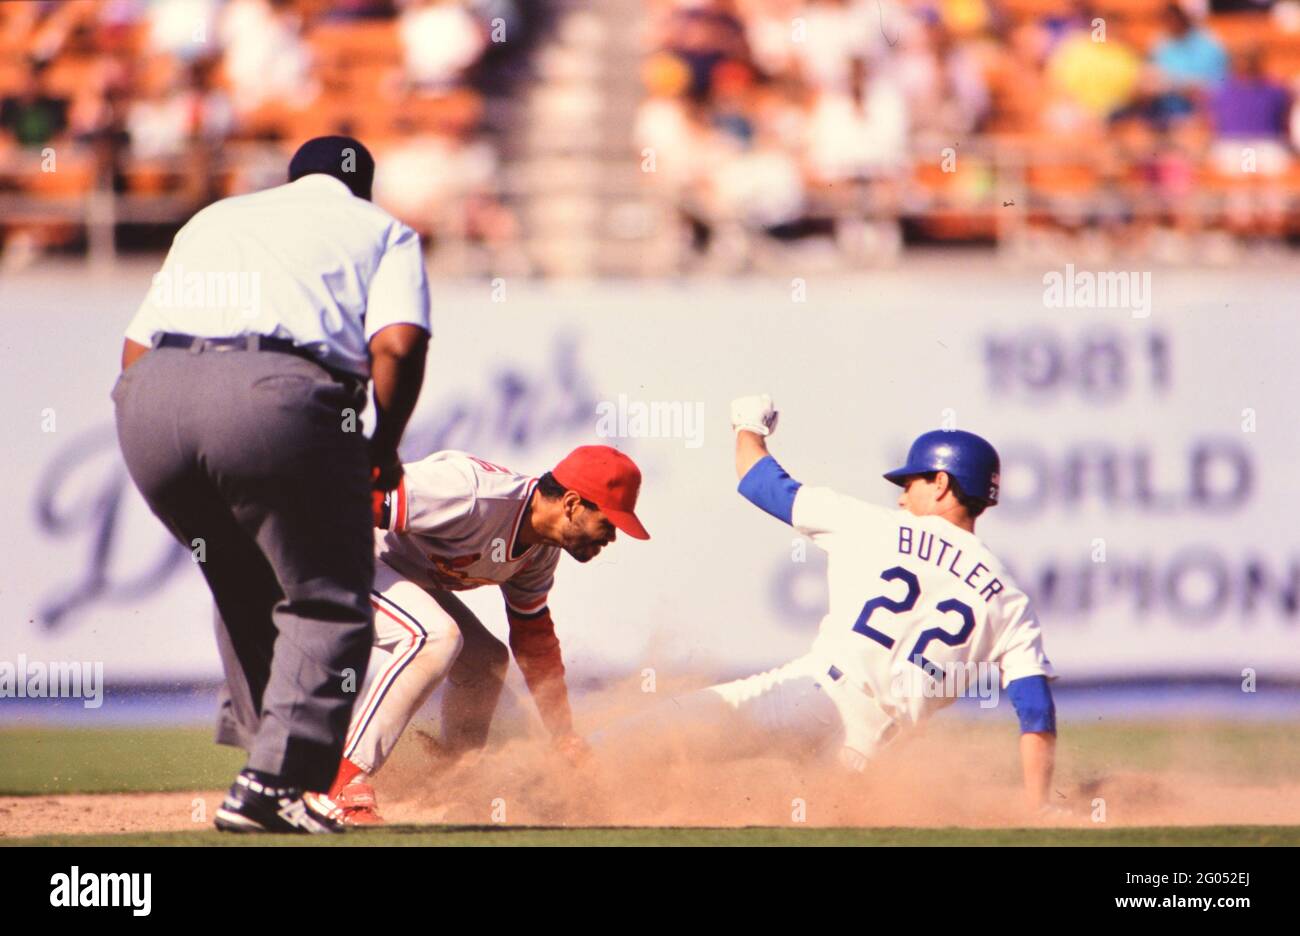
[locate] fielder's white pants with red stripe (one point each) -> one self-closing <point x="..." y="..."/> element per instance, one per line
<point x="420" y="638"/>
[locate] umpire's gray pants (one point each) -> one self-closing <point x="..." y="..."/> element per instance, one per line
<point x="246" y="451"/>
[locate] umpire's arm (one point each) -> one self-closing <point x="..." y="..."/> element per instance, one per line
<point x="397" y="355"/>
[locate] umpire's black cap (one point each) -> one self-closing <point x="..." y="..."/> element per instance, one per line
<point x="342" y="157"/>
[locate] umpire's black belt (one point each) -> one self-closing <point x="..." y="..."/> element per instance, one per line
<point x="256" y="343"/>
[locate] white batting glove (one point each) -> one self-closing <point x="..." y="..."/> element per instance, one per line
<point x="754" y="414"/>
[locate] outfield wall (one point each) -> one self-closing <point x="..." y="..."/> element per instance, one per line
<point x="1150" y="462"/>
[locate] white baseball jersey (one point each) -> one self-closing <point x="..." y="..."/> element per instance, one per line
<point x="453" y="523"/>
<point x="909" y="594"/>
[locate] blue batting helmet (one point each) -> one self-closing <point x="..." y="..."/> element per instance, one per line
<point x="964" y="455"/>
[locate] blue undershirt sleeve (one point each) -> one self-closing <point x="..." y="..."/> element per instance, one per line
<point x="1032" y="698"/>
<point x="769" y="488"/>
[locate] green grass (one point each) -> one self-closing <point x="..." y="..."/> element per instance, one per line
<point x="536" y="836"/>
<point x="1264" y="752"/>
<point x="113" y="760"/>
<point x="66" y="761"/>
<point x="52" y="761"/>
<point x="116" y="760"/>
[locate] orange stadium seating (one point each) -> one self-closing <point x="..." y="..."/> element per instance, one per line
<point x="357" y="84"/>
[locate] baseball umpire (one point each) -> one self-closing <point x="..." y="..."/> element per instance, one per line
<point x="243" y="376"/>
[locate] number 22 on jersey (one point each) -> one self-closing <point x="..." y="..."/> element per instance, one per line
<point x="906" y="604"/>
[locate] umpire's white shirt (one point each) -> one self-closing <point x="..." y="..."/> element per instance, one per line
<point x="307" y="261"/>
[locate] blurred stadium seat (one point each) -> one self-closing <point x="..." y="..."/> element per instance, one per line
<point x="749" y="126"/>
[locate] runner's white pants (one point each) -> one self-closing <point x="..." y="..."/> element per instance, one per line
<point x="798" y="710"/>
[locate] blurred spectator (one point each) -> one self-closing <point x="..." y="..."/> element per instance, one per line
<point x="761" y="187"/>
<point x="732" y="85"/>
<point x="99" y="106"/>
<point x="34" y="115"/>
<point x="943" y="80"/>
<point x="431" y="167"/>
<point x="442" y="180"/>
<point x="769" y="26"/>
<point x="1186" y="61"/>
<point x="1188" y="55"/>
<point x="421" y="177"/>
<point x="266" y="57"/>
<point x="704" y="36"/>
<point x="441" y="40"/>
<point x="183" y="28"/>
<point x="1249" y="114"/>
<point x="663" y="126"/>
<point x="840" y="37"/>
<point x="168" y="122"/>
<point x="860" y="133"/>
<point x="1249" y="105"/>
<point x="1098" y="77"/>
<point x="1019" y="73"/>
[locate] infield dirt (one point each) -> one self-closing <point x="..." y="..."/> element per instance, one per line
<point x="952" y="775"/>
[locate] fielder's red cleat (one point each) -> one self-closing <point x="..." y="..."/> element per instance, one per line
<point x="359" y="804"/>
<point x="355" y="804"/>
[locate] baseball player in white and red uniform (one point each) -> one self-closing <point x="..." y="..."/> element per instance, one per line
<point x="458" y="522"/>
<point x="914" y="595"/>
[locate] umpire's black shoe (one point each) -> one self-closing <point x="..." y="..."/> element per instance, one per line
<point x="252" y="806"/>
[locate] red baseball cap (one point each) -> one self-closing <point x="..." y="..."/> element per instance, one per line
<point x="607" y="478"/>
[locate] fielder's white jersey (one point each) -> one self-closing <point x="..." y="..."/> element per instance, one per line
<point x="909" y="594"/>
<point x="452" y="524"/>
